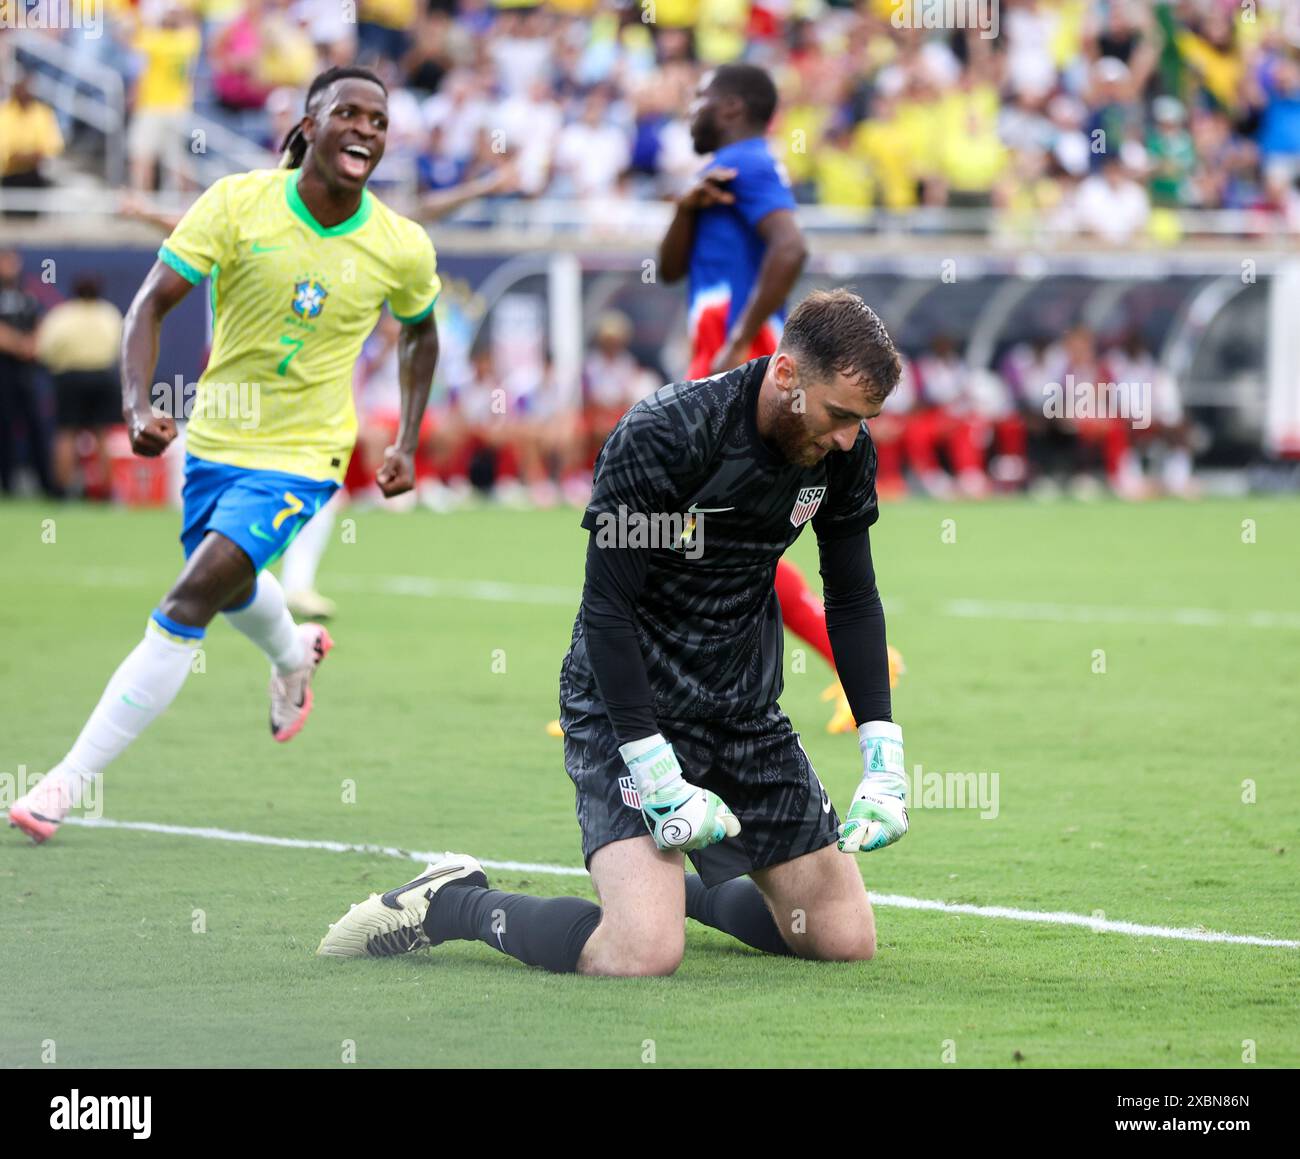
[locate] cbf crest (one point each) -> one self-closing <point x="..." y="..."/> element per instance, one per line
<point x="309" y="298"/>
<point x="806" y="504"/>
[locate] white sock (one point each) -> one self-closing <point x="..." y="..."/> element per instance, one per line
<point x="145" y="683"/>
<point x="266" y="621"/>
<point x="300" y="561"/>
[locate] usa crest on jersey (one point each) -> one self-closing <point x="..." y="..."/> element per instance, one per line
<point x="806" y="504"/>
<point x="627" y="788"/>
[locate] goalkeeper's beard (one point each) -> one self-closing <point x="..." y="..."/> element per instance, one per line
<point x="788" y="435"/>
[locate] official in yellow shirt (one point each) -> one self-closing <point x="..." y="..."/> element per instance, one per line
<point x="77" y="342"/>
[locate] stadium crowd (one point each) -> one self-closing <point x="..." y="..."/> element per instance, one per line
<point x="1101" y="117"/>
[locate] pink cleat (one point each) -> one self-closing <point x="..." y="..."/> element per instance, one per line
<point x="291" y="697"/>
<point x="39" y="812"/>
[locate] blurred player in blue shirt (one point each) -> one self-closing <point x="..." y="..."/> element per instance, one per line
<point x="734" y="234"/>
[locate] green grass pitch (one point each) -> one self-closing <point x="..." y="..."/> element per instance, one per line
<point x="1119" y="791"/>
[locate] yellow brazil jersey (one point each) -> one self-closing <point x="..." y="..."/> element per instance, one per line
<point x="292" y="302"/>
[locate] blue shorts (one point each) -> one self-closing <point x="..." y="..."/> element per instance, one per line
<point x="261" y="511"/>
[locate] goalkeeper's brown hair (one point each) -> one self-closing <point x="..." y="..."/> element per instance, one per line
<point x="834" y="331"/>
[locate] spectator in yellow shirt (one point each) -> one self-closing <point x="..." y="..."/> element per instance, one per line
<point x="920" y="120"/>
<point x="799" y="126"/>
<point x="164" y="98"/>
<point x="841" y="173"/>
<point x="77" y="342"/>
<point x="1214" y="57"/>
<point x="972" y="156"/>
<point x="288" y="54"/>
<point x="29" y="135"/>
<point x="1027" y="195"/>
<point x="383" y="27"/>
<point x="720" y="33"/>
<point x="672" y="13"/>
<point x="882" y="142"/>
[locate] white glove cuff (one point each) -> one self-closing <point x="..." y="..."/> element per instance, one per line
<point x="634" y="750"/>
<point x="653" y="765"/>
<point x="881" y="742"/>
<point x="879" y="730"/>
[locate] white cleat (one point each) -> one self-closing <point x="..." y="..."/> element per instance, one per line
<point x="291" y="697"/>
<point x="40" y="810"/>
<point x="387" y="924"/>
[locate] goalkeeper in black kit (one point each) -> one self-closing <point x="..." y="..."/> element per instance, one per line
<point x="668" y="694"/>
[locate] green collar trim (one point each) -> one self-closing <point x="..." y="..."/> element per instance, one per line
<point x="300" y="210"/>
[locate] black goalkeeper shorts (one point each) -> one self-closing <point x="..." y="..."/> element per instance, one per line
<point x="755" y="764"/>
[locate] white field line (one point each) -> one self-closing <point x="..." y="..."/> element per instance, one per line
<point x="896" y="901"/>
<point x="426" y="587"/>
<point x="1111" y="614"/>
<point x="421" y="586"/>
<point x="495" y="591"/>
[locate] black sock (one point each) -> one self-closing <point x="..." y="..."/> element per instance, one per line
<point x="737" y="908"/>
<point x="540" y="931"/>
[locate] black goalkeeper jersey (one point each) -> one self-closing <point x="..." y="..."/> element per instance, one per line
<point x="686" y="471"/>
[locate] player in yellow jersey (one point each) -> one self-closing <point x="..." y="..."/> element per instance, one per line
<point x="301" y="560"/>
<point x="301" y="261"/>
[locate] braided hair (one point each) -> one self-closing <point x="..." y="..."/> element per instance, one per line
<point x="294" y="148"/>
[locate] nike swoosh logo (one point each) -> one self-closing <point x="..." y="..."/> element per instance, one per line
<point x="694" y="510"/>
<point x="390" y="898"/>
<point x="127" y="700"/>
<point x="256" y="530"/>
<point x="258" y="248"/>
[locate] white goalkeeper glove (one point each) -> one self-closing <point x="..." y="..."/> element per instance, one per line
<point x="878" y="815"/>
<point x="679" y="815"/>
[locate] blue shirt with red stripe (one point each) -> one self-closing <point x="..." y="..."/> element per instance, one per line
<point x="726" y="250"/>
